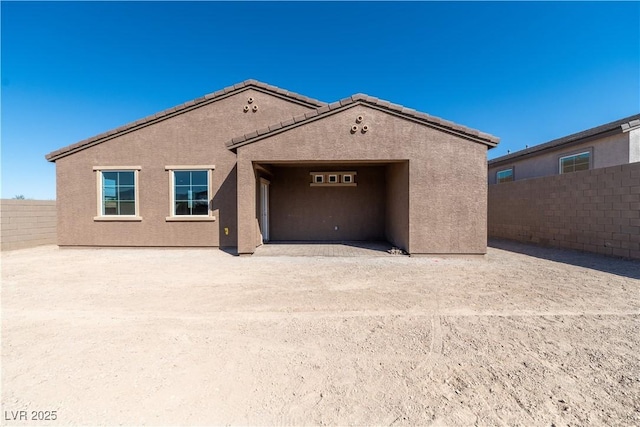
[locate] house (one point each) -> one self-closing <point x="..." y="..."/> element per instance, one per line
<point x="254" y="163"/>
<point x="612" y="144"/>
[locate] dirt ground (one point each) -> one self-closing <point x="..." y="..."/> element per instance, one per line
<point x="527" y="336"/>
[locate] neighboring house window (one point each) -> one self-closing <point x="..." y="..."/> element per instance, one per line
<point x="347" y="178"/>
<point x="504" y="176"/>
<point x="117" y="192"/>
<point x="318" y="179"/>
<point x="191" y="192"/>
<point x="333" y="179"/>
<point x="575" y="162"/>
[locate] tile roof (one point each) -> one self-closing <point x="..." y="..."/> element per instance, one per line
<point x="62" y="152"/>
<point x="360" y="98"/>
<point x="618" y="125"/>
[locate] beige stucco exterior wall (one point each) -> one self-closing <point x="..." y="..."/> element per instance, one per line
<point x="397" y="204"/>
<point x="300" y="211"/>
<point x="609" y="151"/>
<point x="195" y="137"/>
<point x="27" y="223"/>
<point x="447" y="174"/>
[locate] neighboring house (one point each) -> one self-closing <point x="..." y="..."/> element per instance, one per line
<point x="613" y="144"/>
<point x="253" y="163"/>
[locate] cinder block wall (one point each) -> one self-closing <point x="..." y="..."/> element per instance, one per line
<point x="595" y="211"/>
<point x="27" y="223"/>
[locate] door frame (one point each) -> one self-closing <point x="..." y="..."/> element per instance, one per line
<point x="263" y="219"/>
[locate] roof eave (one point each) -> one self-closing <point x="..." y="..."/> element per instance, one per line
<point x="362" y="99"/>
<point x="531" y="152"/>
<point x="183" y="108"/>
<point x="618" y="126"/>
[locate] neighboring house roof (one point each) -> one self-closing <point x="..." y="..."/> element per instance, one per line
<point x="196" y="103"/>
<point x="612" y="128"/>
<point x="357" y="99"/>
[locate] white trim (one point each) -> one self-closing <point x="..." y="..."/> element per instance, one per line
<point x="339" y="179"/>
<point x="572" y="155"/>
<point x="513" y="178"/>
<point x="189" y="218"/>
<point x="189" y="167"/>
<point x="332" y="172"/>
<point x="125" y="218"/>
<point x="264" y="209"/>
<point x="100" y="197"/>
<point x="340" y="184"/>
<point x="116" y="168"/>
<point x="172" y="193"/>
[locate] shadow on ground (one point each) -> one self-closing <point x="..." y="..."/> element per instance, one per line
<point x="607" y="264"/>
<point x="381" y="246"/>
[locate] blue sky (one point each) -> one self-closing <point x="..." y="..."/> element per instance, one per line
<point x="526" y="72"/>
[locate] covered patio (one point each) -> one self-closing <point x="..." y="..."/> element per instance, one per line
<point x="329" y="201"/>
<point x="328" y="249"/>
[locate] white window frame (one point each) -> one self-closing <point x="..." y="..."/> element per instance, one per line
<point x="100" y="199"/>
<point x="172" y="206"/>
<point x="347" y="175"/>
<point x="315" y="179"/>
<point x="560" y="159"/>
<point x="335" y="176"/>
<point x="513" y="178"/>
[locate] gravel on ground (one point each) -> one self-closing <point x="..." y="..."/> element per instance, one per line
<point x="526" y="336"/>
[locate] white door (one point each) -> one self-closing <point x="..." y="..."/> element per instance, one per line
<point x="264" y="209"/>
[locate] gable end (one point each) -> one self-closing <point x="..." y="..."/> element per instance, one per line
<point x="183" y="108"/>
<point x="372" y="102"/>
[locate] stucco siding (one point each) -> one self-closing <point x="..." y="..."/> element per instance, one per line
<point x="195" y="137"/>
<point x="303" y="212"/>
<point x="397" y="204"/>
<point x="609" y="151"/>
<point x="447" y="185"/>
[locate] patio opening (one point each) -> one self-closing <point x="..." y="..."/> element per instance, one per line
<point x="333" y="202"/>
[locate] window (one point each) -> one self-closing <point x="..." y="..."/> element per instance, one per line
<point x="504" y="176"/>
<point x="333" y="179"/>
<point x="117" y="193"/>
<point x="575" y="162"/>
<point x="190" y="192"/>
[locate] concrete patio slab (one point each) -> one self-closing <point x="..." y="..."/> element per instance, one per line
<point x="325" y="249"/>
